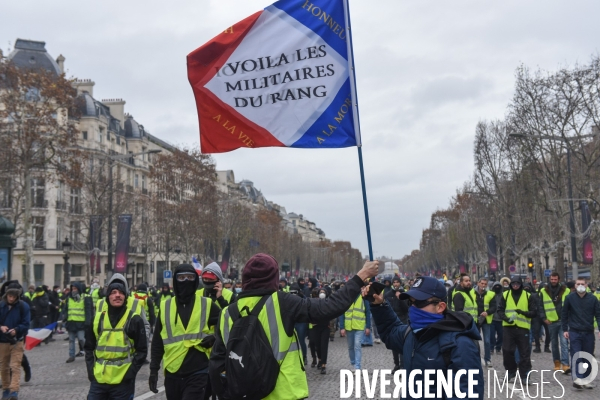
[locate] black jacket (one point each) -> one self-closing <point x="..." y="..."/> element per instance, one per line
<point x="40" y="305"/>
<point x="578" y="312"/>
<point x="480" y="298"/>
<point x="195" y="360"/>
<point x="458" y="300"/>
<point x="294" y="309"/>
<point x="400" y="307"/>
<point x="136" y="331"/>
<point x="531" y="304"/>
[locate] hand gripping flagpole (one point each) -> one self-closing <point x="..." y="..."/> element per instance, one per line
<point x="356" y="121"/>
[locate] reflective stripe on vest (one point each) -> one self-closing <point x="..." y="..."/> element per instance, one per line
<point x="487" y="299"/>
<point x="114" y="349"/>
<point x="470" y="303"/>
<point x="176" y="339"/>
<point x="520" y="320"/>
<point x="76" y="310"/>
<point x="291" y="383"/>
<point x="355" y="317"/>
<point x="549" y="308"/>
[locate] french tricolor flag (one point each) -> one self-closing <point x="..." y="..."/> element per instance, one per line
<point x="36" y="336"/>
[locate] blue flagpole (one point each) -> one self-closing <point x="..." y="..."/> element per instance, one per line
<point x="356" y="121"/>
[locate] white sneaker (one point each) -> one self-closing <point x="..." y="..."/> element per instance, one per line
<point x="488" y="364"/>
<point x="590" y="385"/>
<point x="378" y="341"/>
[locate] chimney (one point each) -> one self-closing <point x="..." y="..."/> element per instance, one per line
<point x="61" y="63"/>
<point x="117" y="109"/>
<point x="84" y="85"/>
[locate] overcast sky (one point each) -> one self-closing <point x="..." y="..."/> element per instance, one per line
<point x="427" y="72"/>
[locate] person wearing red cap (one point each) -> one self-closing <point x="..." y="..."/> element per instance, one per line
<point x="281" y="311"/>
<point x="212" y="282"/>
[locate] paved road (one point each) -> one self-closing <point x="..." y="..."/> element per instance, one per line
<point x="52" y="376"/>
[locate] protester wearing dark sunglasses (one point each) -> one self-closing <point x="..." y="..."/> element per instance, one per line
<point x="434" y="338"/>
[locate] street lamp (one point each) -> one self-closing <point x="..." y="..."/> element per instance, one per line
<point x="66" y="247"/>
<point x="111" y="160"/>
<point x="570" y="187"/>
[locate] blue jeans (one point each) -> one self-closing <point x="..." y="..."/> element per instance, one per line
<point x="354" y="339"/>
<point x="496" y="335"/>
<point x="556" y="336"/>
<point x="485" y="330"/>
<point x="102" y="391"/>
<point x="80" y="335"/>
<point x="302" y="331"/>
<point x="581" y="341"/>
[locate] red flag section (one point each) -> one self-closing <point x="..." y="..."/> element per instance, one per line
<point x="222" y="128"/>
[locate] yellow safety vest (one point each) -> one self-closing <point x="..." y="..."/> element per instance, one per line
<point x="470" y="303"/>
<point x="132" y="303"/>
<point x="226" y="293"/>
<point x="551" y="314"/>
<point x="597" y="295"/>
<point x="114" y="349"/>
<point x="520" y="320"/>
<point x="95" y="295"/>
<point x="76" y="310"/>
<point x="143" y="297"/>
<point x="355" y="317"/>
<point x="487" y="299"/>
<point x="176" y="339"/>
<point x="291" y="382"/>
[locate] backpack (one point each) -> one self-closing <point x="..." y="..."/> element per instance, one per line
<point x="251" y="369"/>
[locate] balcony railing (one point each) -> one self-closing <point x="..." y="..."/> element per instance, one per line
<point x="39" y="204"/>
<point x="39" y="244"/>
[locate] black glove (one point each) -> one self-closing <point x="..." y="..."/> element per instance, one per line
<point x="208" y="341"/>
<point x="152" y="382"/>
<point x="519" y="311"/>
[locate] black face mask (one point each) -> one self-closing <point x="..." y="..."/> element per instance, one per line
<point x="209" y="286"/>
<point x="186" y="289"/>
<point x="498" y="289"/>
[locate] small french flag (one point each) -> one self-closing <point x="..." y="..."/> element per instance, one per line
<point x="197" y="265"/>
<point x="36" y="336"/>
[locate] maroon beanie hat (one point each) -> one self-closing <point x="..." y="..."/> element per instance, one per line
<point x="261" y="272"/>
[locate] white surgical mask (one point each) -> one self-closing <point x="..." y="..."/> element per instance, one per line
<point x="238" y="290"/>
<point x="322" y="295"/>
<point x="580" y="289"/>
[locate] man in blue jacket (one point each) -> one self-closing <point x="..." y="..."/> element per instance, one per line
<point x="14" y="324"/>
<point x="434" y="339"/>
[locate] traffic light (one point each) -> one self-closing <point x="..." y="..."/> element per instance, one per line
<point x="530" y="263"/>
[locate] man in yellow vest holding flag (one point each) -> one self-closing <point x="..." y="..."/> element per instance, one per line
<point x="516" y="309"/>
<point x="278" y="313"/>
<point x="183" y="338"/>
<point x="115" y="347"/>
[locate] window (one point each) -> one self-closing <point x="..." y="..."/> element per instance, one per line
<point x="84" y="134"/>
<point x="128" y="182"/>
<point x="144" y="155"/>
<point x="77" y="270"/>
<point x="6" y="198"/>
<point x="60" y="231"/>
<point x="75" y="203"/>
<point x="100" y="135"/>
<point x="60" y="191"/>
<point x="75" y="231"/>
<point x="37" y="226"/>
<point x="38" y="274"/>
<point x="143" y="181"/>
<point x="58" y="268"/>
<point x="38" y="187"/>
<point x="135" y="182"/>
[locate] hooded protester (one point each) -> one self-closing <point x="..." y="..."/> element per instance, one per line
<point x="95" y="292"/>
<point x="536" y="321"/>
<point x="40" y="309"/>
<point x="260" y="282"/>
<point x="212" y="281"/>
<point x="183" y="338"/>
<point x="283" y="285"/>
<point x="115" y="347"/>
<point x="505" y="282"/>
<point x="496" y="325"/>
<point x="435" y="338"/>
<point x="142" y="294"/>
<point x="78" y="314"/>
<point x="400" y="307"/>
<point x="516" y="309"/>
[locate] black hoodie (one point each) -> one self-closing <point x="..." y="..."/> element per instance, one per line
<point x="516" y="295"/>
<point x="195" y="361"/>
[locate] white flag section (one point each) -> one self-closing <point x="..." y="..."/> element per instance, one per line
<point x="36" y="336"/>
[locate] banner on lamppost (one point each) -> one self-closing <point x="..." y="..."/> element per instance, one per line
<point x="95" y="241"/>
<point x="492" y="252"/>
<point x="586" y="219"/>
<point x="122" y="247"/>
<point x="226" y="255"/>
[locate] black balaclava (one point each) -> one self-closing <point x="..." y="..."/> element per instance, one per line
<point x="184" y="291"/>
<point x="519" y="280"/>
<point x="301" y="284"/>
